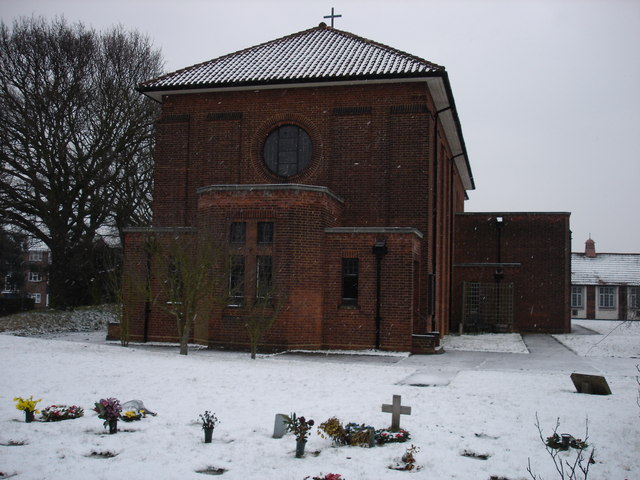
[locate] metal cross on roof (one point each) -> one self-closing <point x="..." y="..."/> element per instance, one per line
<point x="396" y="409"/>
<point x="332" y="16"/>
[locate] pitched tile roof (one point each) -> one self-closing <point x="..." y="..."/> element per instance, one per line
<point x="315" y="55"/>
<point x="605" y="269"/>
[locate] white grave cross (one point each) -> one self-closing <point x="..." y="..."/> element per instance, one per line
<point x="396" y="409"/>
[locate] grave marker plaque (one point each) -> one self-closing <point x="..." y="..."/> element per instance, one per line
<point x="279" y="426"/>
<point x="591" y="384"/>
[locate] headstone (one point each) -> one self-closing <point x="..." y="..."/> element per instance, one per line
<point x="396" y="409"/>
<point x="279" y="426"/>
<point x="592" y="384"/>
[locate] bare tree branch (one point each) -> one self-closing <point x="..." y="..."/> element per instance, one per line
<point x="75" y="147"/>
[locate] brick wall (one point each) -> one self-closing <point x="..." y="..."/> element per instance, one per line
<point x="372" y="148"/>
<point x="533" y="252"/>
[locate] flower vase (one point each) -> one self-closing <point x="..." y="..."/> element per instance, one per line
<point x="113" y="426"/>
<point x="28" y="416"/>
<point x="208" y="434"/>
<point x="300" y="444"/>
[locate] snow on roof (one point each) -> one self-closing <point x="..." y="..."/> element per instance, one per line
<point x="605" y="269"/>
<point x="319" y="54"/>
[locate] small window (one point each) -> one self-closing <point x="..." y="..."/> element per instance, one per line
<point x="35" y="277"/>
<point x="287" y="150"/>
<point x="350" y="273"/>
<point x="265" y="232"/>
<point x="607" y="297"/>
<point x="238" y="233"/>
<point x="634" y="298"/>
<point x="576" y="297"/>
<point x="36" y="298"/>
<point x="236" y="280"/>
<point x="264" y="277"/>
<point x="35" y="256"/>
<point x="174" y="283"/>
<point x="9" y="283"/>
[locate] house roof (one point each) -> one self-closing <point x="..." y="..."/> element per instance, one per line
<point x="320" y="56"/>
<point x="605" y="269"/>
<point x="315" y="55"/>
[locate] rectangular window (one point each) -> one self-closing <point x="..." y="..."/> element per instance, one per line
<point x="236" y="280"/>
<point x="607" y="297"/>
<point x="174" y="282"/>
<point x="238" y="233"/>
<point x="264" y="277"/>
<point x="634" y="298"/>
<point x="265" y="232"/>
<point x="576" y="297"/>
<point x="36" y="298"/>
<point x="350" y="281"/>
<point x="35" y="256"/>
<point x="9" y="284"/>
<point x="35" y="277"/>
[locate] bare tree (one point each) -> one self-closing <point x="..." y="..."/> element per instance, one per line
<point x="186" y="280"/>
<point x="262" y="313"/>
<point x="260" y="318"/>
<point x="76" y="139"/>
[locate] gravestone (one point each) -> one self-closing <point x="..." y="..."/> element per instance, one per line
<point x="396" y="409"/>
<point x="591" y="384"/>
<point x="279" y="426"/>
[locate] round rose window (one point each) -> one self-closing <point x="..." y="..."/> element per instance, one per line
<point x="287" y="150"/>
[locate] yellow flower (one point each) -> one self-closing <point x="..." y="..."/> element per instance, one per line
<point x="27" y="403"/>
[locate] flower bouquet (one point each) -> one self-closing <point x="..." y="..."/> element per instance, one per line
<point x="28" y="405"/>
<point x="56" y="413"/>
<point x="209" y="422"/>
<point x="388" y="436"/>
<point x="328" y="476"/>
<point x="300" y="427"/>
<point x="133" y="415"/>
<point x="109" y="410"/>
<point x="351" y="434"/>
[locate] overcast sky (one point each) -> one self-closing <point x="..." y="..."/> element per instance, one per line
<point x="548" y="91"/>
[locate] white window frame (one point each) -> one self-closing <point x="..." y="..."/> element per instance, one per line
<point x="35" y="256"/>
<point x="35" y="277"/>
<point x="37" y="298"/>
<point x="577" y="293"/>
<point x="607" y="297"/>
<point x="634" y="297"/>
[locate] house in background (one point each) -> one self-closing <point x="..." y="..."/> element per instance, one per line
<point x="605" y="285"/>
<point x="34" y="283"/>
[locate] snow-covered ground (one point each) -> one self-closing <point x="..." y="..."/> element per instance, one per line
<point x="479" y="411"/>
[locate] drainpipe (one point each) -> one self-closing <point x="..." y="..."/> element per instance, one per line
<point x="379" y="250"/>
<point x="434" y="219"/>
<point x="499" y="274"/>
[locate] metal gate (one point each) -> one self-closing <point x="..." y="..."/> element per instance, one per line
<point x="487" y="307"/>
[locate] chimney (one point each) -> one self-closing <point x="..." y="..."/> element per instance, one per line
<point x="590" y="248"/>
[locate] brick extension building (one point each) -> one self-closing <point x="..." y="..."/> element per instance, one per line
<point x="329" y="165"/>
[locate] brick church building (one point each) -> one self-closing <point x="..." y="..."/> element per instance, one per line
<point x="334" y="169"/>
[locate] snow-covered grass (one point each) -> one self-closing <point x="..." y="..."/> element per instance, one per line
<point x="479" y="412"/>
<point x="612" y="339"/>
